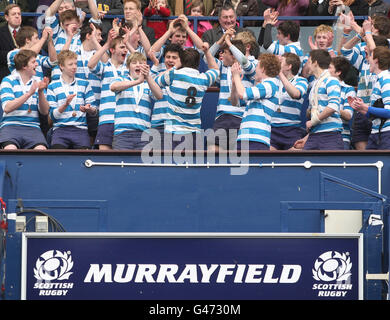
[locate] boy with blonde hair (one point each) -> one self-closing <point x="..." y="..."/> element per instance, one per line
<point x="70" y="99"/>
<point x="323" y="39"/>
<point x="134" y="104"/>
<point x="252" y="49"/>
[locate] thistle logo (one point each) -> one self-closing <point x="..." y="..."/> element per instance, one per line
<point x="333" y="266"/>
<point x="53" y="265"/>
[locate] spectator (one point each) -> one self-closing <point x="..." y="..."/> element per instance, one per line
<point x="377" y="7"/>
<point x="13" y="16"/>
<point x="242" y="8"/>
<point x="227" y="19"/>
<point x="131" y="11"/>
<point x="335" y="7"/>
<point x="25" y="6"/>
<point x="198" y="9"/>
<point x="288" y="8"/>
<point x="157" y="8"/>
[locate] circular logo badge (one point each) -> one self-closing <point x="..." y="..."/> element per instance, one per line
<point x="332" y="266"/>
<point x="53" y="265"/>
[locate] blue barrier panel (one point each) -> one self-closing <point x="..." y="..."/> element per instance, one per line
<point x="92" y="191"/>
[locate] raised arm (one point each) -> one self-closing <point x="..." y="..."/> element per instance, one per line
<point x="93" y="9"/>
<point x="209" y="57"/>
<point x="236" y="78"/>
<point x="196" y="40"/>
<point x="51" y="50"/>
<point x="43" y="103"/>
<point x="154" y="87"/>
<point x="92" y="63"/>
<point x="118" y="86"/>
<point x="16" y="103"/>
<point x="234" y="96"/>
<point x="52" y="10"/>
<point x="290" y="88"/>
<point x="160" y="42"/>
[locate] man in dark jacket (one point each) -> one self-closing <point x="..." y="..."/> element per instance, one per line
<point x="13" y="16"/>
<point x="377" y="7"/>
<point x="243" y="8"/>
<point x="227" y="19"/>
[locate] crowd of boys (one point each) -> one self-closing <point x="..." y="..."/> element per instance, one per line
<point x="125" y="92"/>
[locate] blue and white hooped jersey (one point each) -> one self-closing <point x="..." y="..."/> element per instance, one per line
<point x="12" y="87"/>
<point x="381" y="90"/>
<point x="160" y="113"/>
<point x="107" y="72"/>
<point x="293" y="47"/>
<point x="261" y="103"/>
<point x="357" y="57"/>
<point x="133" y="107"/>
<point x="43" y="62"/>
<point x="289" y="110"/>
<point x="186" y="88"/>
<point x="225" y="85"/>
<point x="329" y="93"/>
<point x="57" y="93"/>
<point x="59" y="35"/>
<point x="346" y="91"/>
<point x="83" y="72"/>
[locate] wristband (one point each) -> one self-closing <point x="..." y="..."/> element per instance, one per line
<point x="368" y="32"/>
<point x="345" y="35"/>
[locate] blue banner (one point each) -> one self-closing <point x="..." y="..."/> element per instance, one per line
<point x="191" y="266"/>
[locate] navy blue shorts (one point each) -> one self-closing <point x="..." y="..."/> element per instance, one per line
<point x="70" y="138"/>
<point x="283" y="138"/>
<point x="105" y="134"/>
<point x="252" y="145"/>
<point x="378" y="141"/>
<point x="188" y="141"/>
<point x="361" y="128"/>
<point x="324" y="141"/>
<point x="228" y="125"/>
<point x="129" y="140"/>
<point x="22" y="137"/>
<point x="158" y="137"/>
